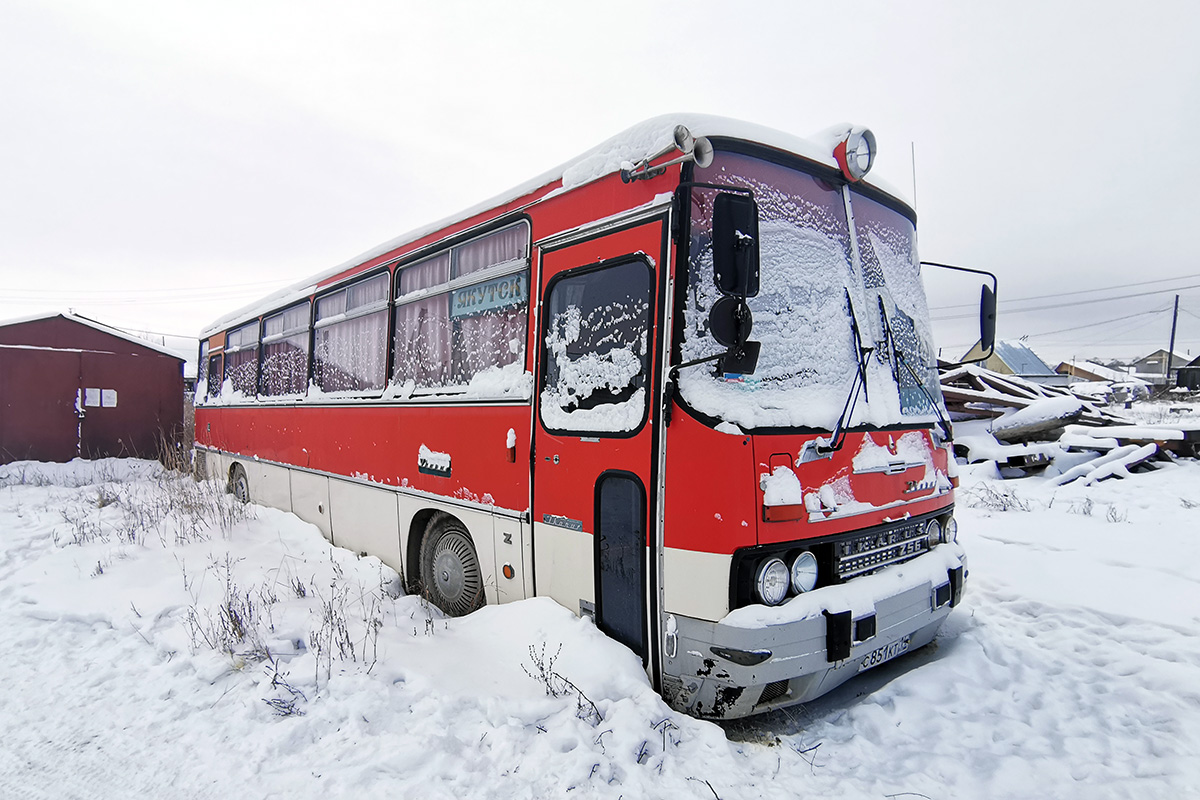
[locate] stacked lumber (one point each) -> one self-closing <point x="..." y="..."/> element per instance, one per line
<point x="1024" y="426"/>
<point x="975" y="392"/>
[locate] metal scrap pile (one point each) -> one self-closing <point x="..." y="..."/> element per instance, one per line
<point x="1024" y="426"/>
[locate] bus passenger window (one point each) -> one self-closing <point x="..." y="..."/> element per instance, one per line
<point x="285" y="353"/>
<point x="596" y="350"/>
<point x="241" y="359"/>
<point x="215" y="374"/>
<point x="350" y="350"/>
<point x="463" y="312"/>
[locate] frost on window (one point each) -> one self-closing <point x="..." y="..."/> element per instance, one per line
<point x="215" y="375"/>
<point x="350" y="344"/>
<point x="801" y="313"/>
<point x="597" y="350"/>
<point x="463" y="312"/>
<point x="285" y="352"/>
<point x="892" y="279"/>
<point x="201" y="392"/>
<point x="241" y="359"/>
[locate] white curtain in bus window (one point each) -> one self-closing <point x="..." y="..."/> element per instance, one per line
<point x="241" y="359"/>
<point x="350" y="353"/>
<point x="489" y="317"/>
<point x="423" y="324"/>
<point x="285" y="352"/>
<point x="596" y="350"/>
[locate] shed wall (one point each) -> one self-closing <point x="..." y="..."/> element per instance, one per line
<point x="50" y="363"/>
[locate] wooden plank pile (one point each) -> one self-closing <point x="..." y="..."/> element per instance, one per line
<point x="1030" y="424"/>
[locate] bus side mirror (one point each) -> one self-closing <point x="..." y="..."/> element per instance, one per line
<point x="987" y="310"/>
<point x="730" y="322"/>
<point x="987" y="318"/>
<point x="735" y="244"/>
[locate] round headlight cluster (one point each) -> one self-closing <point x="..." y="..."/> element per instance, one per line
<point x="933" y="532"/>
<point x="772" y="581"/>
<point x="804" y="573"/>
<point x="939" y="533"/>
<point x="774" y="578"/>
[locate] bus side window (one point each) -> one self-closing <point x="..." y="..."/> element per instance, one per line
<point x="596" y="355"/>
<point x="215" y="375"/>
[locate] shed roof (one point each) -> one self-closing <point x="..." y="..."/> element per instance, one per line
<point x="91" y="323"/>
<point x="1021" y="360"/>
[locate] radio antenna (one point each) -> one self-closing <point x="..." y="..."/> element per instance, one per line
<point x="913" y="146"/>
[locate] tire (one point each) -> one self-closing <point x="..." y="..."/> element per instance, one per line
<point x="450" y="574"/>
<point x="239" y="484"/>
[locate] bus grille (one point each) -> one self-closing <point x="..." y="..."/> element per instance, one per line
<point x="867" y="553"/>
<point x="773" y="691"/>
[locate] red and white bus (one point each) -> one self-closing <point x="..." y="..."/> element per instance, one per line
<point x="683" y="384"/>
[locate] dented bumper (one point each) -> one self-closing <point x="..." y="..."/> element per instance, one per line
<point x="721" y="670"/>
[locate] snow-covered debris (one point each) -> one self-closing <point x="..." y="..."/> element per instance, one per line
<point x="1115" y="463"/>
<point x="1039" y="417"/>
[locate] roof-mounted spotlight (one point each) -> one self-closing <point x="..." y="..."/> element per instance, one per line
<point x="697" y="149"/>
<point x="855" y="154"/>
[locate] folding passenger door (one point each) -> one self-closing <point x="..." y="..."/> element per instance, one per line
<point x="595" y="429"/>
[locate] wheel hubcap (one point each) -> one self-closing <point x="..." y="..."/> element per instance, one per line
<point x="457" y="578"/>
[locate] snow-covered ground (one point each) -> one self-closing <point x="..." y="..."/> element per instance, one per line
<point x="158" y="641"/>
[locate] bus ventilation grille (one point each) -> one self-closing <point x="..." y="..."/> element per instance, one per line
<point x="773" y="691"/>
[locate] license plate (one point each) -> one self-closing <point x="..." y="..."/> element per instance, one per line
<point x="885" y="653"/>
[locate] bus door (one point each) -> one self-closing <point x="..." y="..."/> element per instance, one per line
<point x="595" y="541"/>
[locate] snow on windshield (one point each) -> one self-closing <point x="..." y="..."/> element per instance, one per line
<point x="811" y="304"/>
<point x="800" y="313"/>
<point x="891" y="275"/>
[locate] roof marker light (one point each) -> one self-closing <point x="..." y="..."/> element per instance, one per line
<point x="855" y="154"/>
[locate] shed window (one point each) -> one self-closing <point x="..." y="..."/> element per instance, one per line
<point x="285" y="352"/>
<point x="350" y="348"/>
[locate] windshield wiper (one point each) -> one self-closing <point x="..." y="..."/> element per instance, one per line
<point x="838" y="437"/>
<point x="898" y="357"/>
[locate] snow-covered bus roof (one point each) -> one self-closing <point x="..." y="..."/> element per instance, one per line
<point x="646" y="140"/>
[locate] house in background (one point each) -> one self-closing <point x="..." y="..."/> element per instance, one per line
<point x="1153" y="368"/>
<point x="73" y="387"/>
<point x="1014" y="358"/>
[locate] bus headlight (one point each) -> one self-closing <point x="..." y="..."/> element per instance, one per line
<point x="950" y="530"/>
<point x="933" y="532"/>
<point x="804" y="573"/>
<point x="771" y="581"/>
<point x="855" y="154"/>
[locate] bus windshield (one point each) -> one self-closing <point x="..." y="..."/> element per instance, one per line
<point x="815" y="308"/>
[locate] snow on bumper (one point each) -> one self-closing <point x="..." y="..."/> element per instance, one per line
<point x="759" y="658"/>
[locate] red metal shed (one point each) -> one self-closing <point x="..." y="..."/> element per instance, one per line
<point x="71" y="386"/>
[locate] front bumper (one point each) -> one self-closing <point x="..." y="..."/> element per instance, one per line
<point x="810" y="645"/>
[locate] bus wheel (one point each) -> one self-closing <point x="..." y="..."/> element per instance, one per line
<point x="239" y="484"/>
<point x="450" y="569"/>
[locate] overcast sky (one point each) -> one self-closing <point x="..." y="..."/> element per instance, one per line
<point x="163" y="163"/>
